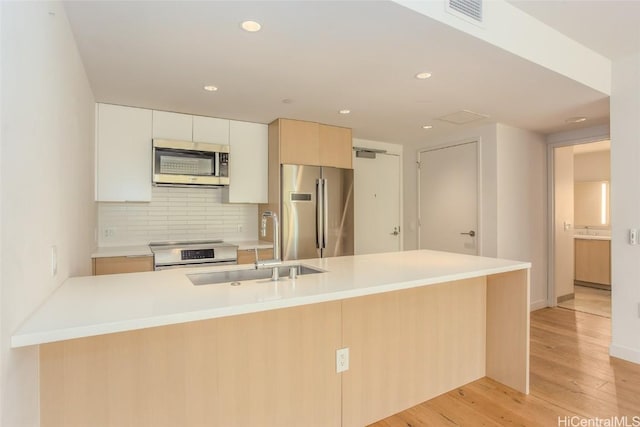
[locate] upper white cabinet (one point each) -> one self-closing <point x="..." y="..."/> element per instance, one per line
<point x="211" y="130"/>
<point x="185" y="127"/>
<point x="168" y="125"/>
<point x="248" y="163"/>
<point x="124" y="134"/>
<point x="123" y="165"/>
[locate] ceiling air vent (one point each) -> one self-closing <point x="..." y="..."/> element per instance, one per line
<point x="471" y="9"/>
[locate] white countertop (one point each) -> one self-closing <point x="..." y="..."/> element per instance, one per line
<point x="591" y="237"/>
<point x="109" y="251"/>
<point x="142" y="250"/>
<point x="97" y="305"/>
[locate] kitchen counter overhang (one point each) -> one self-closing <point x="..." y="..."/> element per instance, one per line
<point x="96" y="305"/>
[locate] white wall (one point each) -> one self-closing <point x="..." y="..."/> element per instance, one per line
<point x="486" y="135"/>
<point x="563" y="213"/>
<point x="594" y="166"/>
<point x="625" y="208"/>
<point x="46" y="189"/>
<point x="522" y="204"/>
<point x="513" y="219"/>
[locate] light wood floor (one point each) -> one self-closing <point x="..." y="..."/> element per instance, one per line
<point x="571" y="375"/>
<point x="589" y="300"/>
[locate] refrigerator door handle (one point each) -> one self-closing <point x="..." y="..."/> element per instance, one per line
<point x="325" y="216"/>
<point x="319" y="223"/>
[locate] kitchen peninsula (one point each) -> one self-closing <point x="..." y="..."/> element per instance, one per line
<point x="152" y="349"/>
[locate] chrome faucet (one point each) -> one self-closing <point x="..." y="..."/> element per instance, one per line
<point x="276" y="261"/>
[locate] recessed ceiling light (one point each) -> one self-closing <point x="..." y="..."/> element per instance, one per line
<point x="251" y="26"/>
<point x="423" y="76"/>
<point x="287" y="101"/>
<point x="210" y="88"/>
<point x="576" y="119"/>
<point x="427" y="127"/>
<point x="345" y="111"/>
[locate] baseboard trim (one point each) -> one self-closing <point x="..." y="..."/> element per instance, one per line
<point x="565" y="297"/>
<point x="625" y="353"/>
<point x="592" y="285"/>
<point x="537" y="305"/>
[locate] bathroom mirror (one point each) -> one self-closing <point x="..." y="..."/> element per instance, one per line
<point x="591" y="204"/>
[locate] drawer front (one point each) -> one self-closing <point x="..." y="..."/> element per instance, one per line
<point x="122" y="264"/>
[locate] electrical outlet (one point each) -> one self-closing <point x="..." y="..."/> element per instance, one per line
<point x="633" y="236"/>
<point x="239" y="228"/>
<point x="108" y="232"/>
<point x="342" y="360"/>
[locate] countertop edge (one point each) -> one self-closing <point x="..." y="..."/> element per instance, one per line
<point x="143" y="250"/>
<point x="37" y="338"/>
<point x="590" y="237"/>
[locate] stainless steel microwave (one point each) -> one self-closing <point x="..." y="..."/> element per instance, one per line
<point x="189" y="163"/>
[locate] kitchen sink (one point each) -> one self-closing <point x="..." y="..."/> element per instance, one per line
<point x="236" y="276"/>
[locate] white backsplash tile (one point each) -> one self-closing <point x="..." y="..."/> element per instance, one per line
<point x="176" y="213"/>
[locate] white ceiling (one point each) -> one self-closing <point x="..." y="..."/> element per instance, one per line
<point x="323" y="57"/>
<point x="609" y="27"/>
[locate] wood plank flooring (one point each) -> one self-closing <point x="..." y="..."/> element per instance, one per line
<point x="589" y="300"/>
<point x="572" y="375"/>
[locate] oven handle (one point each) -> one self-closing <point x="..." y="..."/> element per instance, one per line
<point x="194" y="265"/>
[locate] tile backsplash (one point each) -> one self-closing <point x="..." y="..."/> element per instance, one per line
<point x="176" y="213"/>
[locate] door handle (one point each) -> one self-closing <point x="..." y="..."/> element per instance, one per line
<point x="470" y="233"/>
<point x="319" y="222"/>
<point x="396" y="231"/>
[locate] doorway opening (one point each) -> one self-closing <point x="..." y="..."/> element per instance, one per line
<point x="581" y="241"/>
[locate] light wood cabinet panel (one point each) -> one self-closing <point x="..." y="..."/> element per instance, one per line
<point x="398" y="358"/>
<point x="248" y="256"/>
<point x="122" y="264"/>
<point x="593" y="261"/>
<point x="167" y="125"/>
<point x="299" y="142"/>
<point x="211" y="130"/>
<point x="315" y="144"/>
<point x="269" y="369"/>
<point x="335" y="147"/>
<point x="278" y="367"/>
<point x="123" y="160"/>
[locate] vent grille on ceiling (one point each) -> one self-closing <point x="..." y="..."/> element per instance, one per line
<point x="469" y="8"/>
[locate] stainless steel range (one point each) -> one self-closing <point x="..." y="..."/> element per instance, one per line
<point x="201" y="253"/>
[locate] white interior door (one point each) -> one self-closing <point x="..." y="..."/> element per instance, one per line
<point x="377" y="203"/>
<point x="448" y="196"/>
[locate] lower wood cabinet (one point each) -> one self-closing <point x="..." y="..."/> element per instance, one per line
<point x="593" y="261"/>
<point x="248" y="256"/>
<point x="122" y="264"/>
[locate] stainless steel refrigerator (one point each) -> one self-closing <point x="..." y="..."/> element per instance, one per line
<point x="316" y="212"/>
